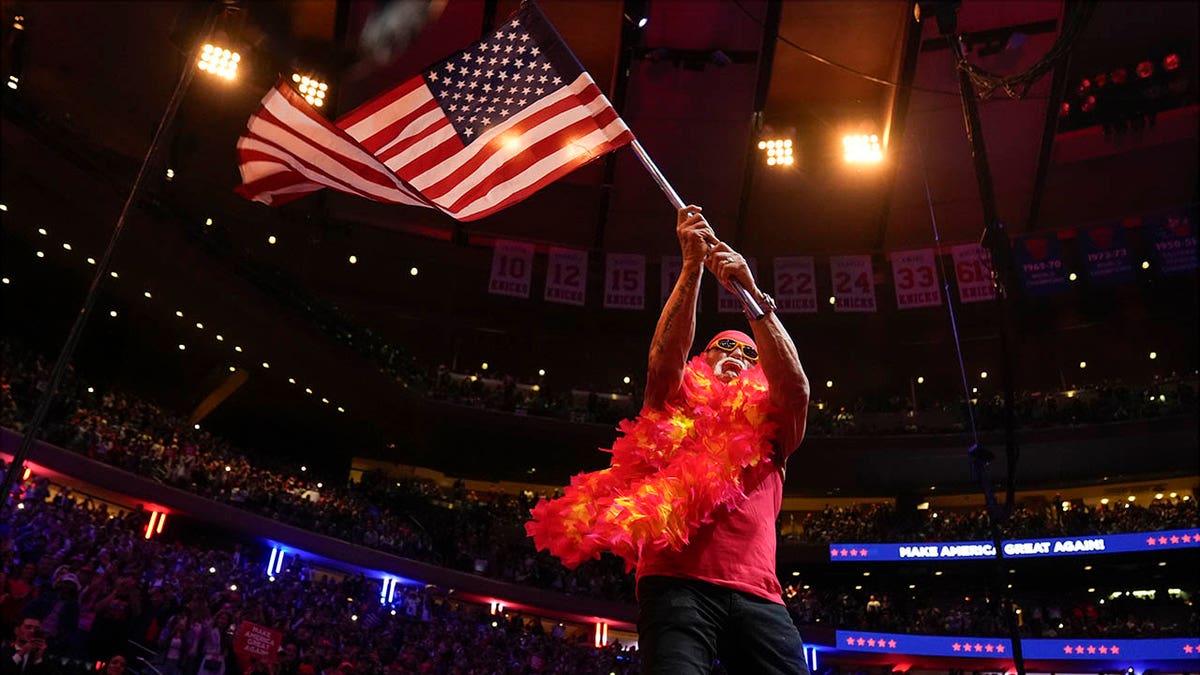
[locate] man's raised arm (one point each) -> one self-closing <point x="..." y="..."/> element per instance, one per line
<point x="789" y="389"/>
<point x="677" y="324"/>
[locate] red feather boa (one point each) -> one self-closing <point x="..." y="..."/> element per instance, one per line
<point x="670" y="471"/>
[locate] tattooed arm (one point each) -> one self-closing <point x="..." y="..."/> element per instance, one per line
<point x="677" y="324"/>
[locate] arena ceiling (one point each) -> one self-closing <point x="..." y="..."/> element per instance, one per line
<point x="704" y="81"/>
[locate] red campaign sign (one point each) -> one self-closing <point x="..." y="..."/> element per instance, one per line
<point x="796" y="285"/>
<point x="853" y="283"/>
<point x="728" y="302"/>
<point x="973" y="271"/>
<point x="625" y="281"/>
<point x="254" y="642"/>
<point x="512" y="269"/>
<point x="566" y="276"/>
<point x="671" y="266"/>
<point x="916" y="279"/>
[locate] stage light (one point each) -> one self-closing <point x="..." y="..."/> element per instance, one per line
<point x="291" y="380"/>
<point x="829" y="384"/>
<point x="832" y="300"/>
<point x="341" y="409"/>
<point x="147" y="294"/>
<point x="983" y="375"/>
<point x="304" y="468"/>
<point x="1104" y="501"/>
<point x="1153" y="355"/>
<point x="12" y="82"/>
<point x="324" y="400"/>
<point x="233" y="369"/>
<point x="483" y="366"/>
<point x="182" y="347"/>
<point x="412" y="271"/>
<point x="1064" y="110"/>
<point x="170" y="174"/>
<point x="1072" y="276"/>
<point x="778" y="151"/>
<point x="1145" y="69"/>
<point x="862" y="149"/>
<point x="199" y="326"/>
<point x="271" y="239"/>
<point x="40" y="254"/>
<point x="208" y="221"/>
<point x="265" y="365"/>
<point x="1158" y="495"/>
<point x="113" y="313"/>
<point x="91" y="261"/>
<point x="1173" y="495"/>
<point x="308" y="391"/>
<point x="237" y="348"/>
<point x="1087" y="568"/>
<point x="6" y="281"/>
<point x="18" y="22"/>
<point x="312" y="89"/>
<point x="1171" y="62"/>
<point x="218" y="61"/>
<point x="114" y="275"/>
<point x="627" y="380"/>
<point x="353" y="260"/>
<point x="643" y="21"/>
<point x="920" y="380"/>
<point x="66" y="247"/>
<point x="42" y="231"/>
<point x="1145" y="264"/>
<point x="541" y="372"/>
<point x="3" y="207"/>
<point x="1132" y="498"/>
<point x="1082" y="365"/>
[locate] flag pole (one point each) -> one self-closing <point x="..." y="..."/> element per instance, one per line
<point x="749" y="304"/>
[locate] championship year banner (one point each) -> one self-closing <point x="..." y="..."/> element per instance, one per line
<point x="625" y="281"/>
<point x="916" y="279"/>
<point x="1039" y="257"/>
<point x="1173" y="239"/>
<point x="566" y="276"/>
<point x="973" y="272"/>
<point x="795" y="285"/>
<point x="727" y="302"/>
<point x="512" y="268"/>
<point x="853" y="283"/>
<point x="1105" y="250"/>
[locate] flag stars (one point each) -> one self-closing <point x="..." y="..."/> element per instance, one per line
<point x="539" y="91"/>
<point x="535" y="51"/>
<point x="450" y="67"/>
<point x="433" y="76"/>
<point x="556" y="80"/>
<point x="521" y="49"/>
<point x="529" y="78"/>
<point x="495" y="48"/>
<point x="486" y="121"/>
<point x="508" y="49"/>
<point x="480" y="60"/>
<point x="504" y="61"/>
<point x="499" y="35"/>
<point x="487" y="87"/>
<point x="504" y="113"/>
<point x="519" y="63"/>
<point x="524" y="37"/>
<point x="491" y="109"/>
<point x="477" y="71"/>
<point x="542" y="79"/>
<point x="516" y="23"/>
<point x="463" y="71"/>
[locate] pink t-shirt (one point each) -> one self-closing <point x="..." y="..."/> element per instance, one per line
<point x="736" y="550"/>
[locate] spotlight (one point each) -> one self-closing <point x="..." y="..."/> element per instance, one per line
<point x="218" y="61"/>
<point x="778" y="151"/>
<point x="271" y="239"/>
<point x="1153" y="355"/>
<point x="1082" y="365"/>
<point x="829" y="384"/>
<point x="312" y="89"/>
<point x="353" y="260"/>
<point x="862" y="149"/>
<point x="1171" y="62"/>
<point x="412" y="271"/>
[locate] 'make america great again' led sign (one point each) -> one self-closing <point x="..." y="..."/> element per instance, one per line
<point x="1017" y="548"/>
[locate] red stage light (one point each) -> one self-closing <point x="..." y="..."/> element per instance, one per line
<point x="1084" y="85"/>
<point x="1089" y="104"/>
<point x="1171" y="62"/>
<point x="1119" y="76"/>
<point x="1101" y="80"/>
<point x="1064" y="109"/>
<point x="1145" y="69"/>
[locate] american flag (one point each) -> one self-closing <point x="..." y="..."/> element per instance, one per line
<point x="471" y="135"/>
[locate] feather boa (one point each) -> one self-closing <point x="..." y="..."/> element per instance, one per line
<point x="671" y="470"/>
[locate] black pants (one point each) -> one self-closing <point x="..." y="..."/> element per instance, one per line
<point x="685" y="625"/>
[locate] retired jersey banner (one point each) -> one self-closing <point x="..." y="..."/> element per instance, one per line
<point x="916" y="279"/>
<point x="512" y="268"/>
<point x="795" y="285"/>
<point x="1173" y="237"/>
<point x="728" y="302"/>
<point x="853" y="283"/>
<point x="625" y="281"/>
<point x="566" y="276"/>
<point x="1039" y="258"/>
<point x="672" y="266"/>
<point x="973" y="272"/>
<point x="1105" y="250"/>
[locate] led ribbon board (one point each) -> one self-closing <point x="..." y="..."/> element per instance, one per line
<point x="991" y="647"/>
<point x="1138" y="542"/>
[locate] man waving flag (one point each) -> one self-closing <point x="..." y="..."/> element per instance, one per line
<point x="471" y="135"/>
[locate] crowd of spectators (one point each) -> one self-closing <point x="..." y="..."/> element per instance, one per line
<point x="79" y="585"/>
<point x="882" y="521"/>
<point x="479" y="532"/>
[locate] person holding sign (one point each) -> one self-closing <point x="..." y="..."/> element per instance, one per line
<point x="696" y="483"/>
